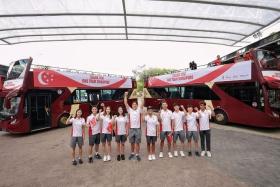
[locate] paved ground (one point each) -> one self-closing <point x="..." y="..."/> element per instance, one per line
<point x="239" y="159"/>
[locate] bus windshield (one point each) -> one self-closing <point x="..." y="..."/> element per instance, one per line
<point x="17" y="70"/>
<point x="12" y="110"/>
<point x="274" y="98"/>
<point x="268" y="60"/>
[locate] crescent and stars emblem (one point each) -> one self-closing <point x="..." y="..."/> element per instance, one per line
<point x="45" y="78"/>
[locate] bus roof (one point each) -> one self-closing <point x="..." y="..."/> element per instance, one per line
<point x="241" y="71"/>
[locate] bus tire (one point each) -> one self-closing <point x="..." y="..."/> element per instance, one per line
<point x="221" y="117"/>
<point x="62" y="120"/>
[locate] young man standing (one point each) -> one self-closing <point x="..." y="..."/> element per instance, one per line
<point x="94" y="134"/>
<point x="165" y="117"/>
<point x="204" y="116"/>
<point x="135" y="132"/>
<point x="179" y="129"/>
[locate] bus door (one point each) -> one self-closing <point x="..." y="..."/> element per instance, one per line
<point x="39" y="111"/>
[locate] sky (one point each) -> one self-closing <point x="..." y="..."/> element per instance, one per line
<point x="118" y="57"/>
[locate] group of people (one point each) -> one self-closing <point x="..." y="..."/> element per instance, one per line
<point x="189" y="123"/>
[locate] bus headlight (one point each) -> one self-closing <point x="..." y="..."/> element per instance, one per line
<point x="275" y="115"/>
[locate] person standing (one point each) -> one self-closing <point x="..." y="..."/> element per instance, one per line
<point x="121" y="130"/>
<point x="106" y="122"/>
<point x="165" y="117"/>
<point x="204" y="115"/>
<point x="152" y="130"/>
<point x="179" y="129"/>
<point x="135" y="133"/>
<point x="192" y="127"/>
<point x="77" y="134"/>
<point x="94" y="134"/>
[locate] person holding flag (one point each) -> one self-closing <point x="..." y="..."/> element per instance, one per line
<point x="135" y="112"/>
<point x="106" y="122"/>
<point x="94" y="134"/>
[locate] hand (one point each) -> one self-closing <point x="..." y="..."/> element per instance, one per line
<point x="125" y="94"/>
<point x="182" y="107"/>
<point x="102" y="105"/>
<point x="209" y="107"/>
<point x="114" y="116"/>
<point x="100" y="110"/>
<point x="195" y="109"/>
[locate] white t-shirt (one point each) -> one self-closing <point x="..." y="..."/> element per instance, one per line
<point x="135" y="117"/>
<point x="178" y="118"/>
<point x="191" y="121"/>
<point x="106" y="120"/>
<point x="204" y="119"/>
<point x="166" y="117"/>
<point x="121" y="122"/>
<point x="152" y="122"/>
<point x="77" y="124"/>
<point x="93" y="124"/>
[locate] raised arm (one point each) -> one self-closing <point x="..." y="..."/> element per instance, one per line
<point x="68" y="121"/>
<point x="125" y="100"/>
<point x="142" y="101"/>
<point x="184" y="110"/>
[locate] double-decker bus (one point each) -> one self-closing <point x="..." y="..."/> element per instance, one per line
<point x="247" y="92"/>
<point x="3" y="73"/>
<point x="39" y="97"/>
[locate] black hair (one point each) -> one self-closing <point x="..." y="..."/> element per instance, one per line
<point x="118" y="114"/>
<point x="105" y="113"/>
<point x="202" y="103"/>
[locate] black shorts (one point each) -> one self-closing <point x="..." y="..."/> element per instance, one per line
<point x="121" y="138"/>
<point x="151" y="139"/>
<point x="94" y="139"/>
<point x="105" y="137"/>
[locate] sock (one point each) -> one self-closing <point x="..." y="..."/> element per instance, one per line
<point x="73" y="160"/>
<point x="96" y="153"/>
<point x="89" y="156"/>
<point x="132" y="153"/>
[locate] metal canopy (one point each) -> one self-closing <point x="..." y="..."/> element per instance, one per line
<point x="223" y="22"/>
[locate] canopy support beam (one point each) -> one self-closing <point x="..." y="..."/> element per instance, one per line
<point x="125" y="20"/>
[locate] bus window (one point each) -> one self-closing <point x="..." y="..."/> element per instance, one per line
<point x="274" y="99"/>
<point x="158" y="92"/>
<point x="80" y="96"/>
<point x="268" y="60"/>
<point x="248" y="93"/>
<point x="174" y="92"/>
<point x="107" y="94"/>
<point x="199" y="92"/>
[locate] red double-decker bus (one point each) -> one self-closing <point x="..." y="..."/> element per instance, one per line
<point x="247" y="92"/>
<point x="37" y="97"/>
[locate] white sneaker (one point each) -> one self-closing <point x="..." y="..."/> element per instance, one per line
<point x="170" y="155"/>
<point x="150" y="157"/>
<point x="153" y="157"/>
<point x="105" y="158"/>
<point x="182" y="154"/>
<point x="160" y="155"/>
<point x="108" y="158"/>
<point x="175" y="153"/>
<point x="202" y="153"/>
<point x="208" y="154"/>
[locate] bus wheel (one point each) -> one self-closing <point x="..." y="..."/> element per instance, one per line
<point x="62" y="120"/>
<point x="221" y="117"/>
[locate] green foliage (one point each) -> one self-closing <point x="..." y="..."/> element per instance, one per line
<point x="144" y="75"/>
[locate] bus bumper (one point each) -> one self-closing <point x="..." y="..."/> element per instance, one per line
<point x="12" y="126"/>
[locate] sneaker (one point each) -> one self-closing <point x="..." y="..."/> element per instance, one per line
<point x="190" y="153"/>
<point x="197" y="153"/>
<point x="150" y="157"/>
<point x="153" y="157"/>
<point x="90" y="160"/>
<point x="160" y="155"/>
<point x="74" y="162"/>
<point x="122" y="157"/>
<point x="105" y="158"/>
<point x="108" y="158"/>
<point x="209" y="154"/>
<point x="97" y="156"/>
<point x="131" y="156"/>
<point x="202" y="153"/>
<point x="182" y="153"/>
<point x="175" y="153"/>
<point x="80" y="161"/>
<point x="138" y="157"/>
<point x="170" y="155"/>
<point x="119" y="157"/>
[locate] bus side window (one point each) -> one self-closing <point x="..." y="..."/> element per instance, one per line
<point x="174" y="92"/>
<point x="107" y="94"/>
<point x="80" y="96"/>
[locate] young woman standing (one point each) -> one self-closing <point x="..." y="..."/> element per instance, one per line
<point x="106" y="122"/>
<point x="121" y="130"/>
<point x="77" y="134"/>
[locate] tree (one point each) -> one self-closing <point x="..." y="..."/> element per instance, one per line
<point x="145" y="74"/>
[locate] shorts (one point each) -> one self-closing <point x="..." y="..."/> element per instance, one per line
<point x="164" y="135"/>
<point x="77" y="140"/>
<point x="105" y="138"/>
<point x="94" y="139"/>
<point x="135" y="135"/>
<point x="192" y="135"/>
<point x="151" y="139"/>
<point x="121" y="138"/>
<point x="179" y="134"/>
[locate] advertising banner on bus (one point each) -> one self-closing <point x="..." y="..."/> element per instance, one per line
<point x="228" y="72"/>
<point x="56" y="78"/>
